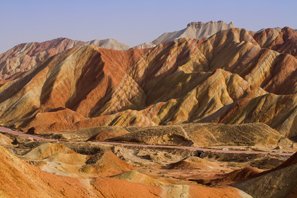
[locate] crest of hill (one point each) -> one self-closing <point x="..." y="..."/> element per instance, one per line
<point x="109" y="44"/>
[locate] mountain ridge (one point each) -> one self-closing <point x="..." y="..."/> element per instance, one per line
<point x="130" y="87"/>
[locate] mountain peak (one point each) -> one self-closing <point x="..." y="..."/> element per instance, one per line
<point x="195" y="30"/>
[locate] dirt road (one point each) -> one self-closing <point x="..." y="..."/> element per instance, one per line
<point x="225" y="150"/>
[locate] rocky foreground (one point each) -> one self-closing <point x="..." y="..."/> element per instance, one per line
<point x="169" y="161"/>
<point x="207" y="111"/>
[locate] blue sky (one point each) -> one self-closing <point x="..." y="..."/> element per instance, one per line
<point x="131" y="21"/>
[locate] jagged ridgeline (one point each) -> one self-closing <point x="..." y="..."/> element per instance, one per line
<point x="207" y="72"/>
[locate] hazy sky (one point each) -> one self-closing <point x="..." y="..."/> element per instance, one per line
<point x="131" y="21"/>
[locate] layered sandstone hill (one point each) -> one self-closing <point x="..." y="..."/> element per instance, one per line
<point x="26" y="56"/>
<point x="227" y="78"/>
<point x="282" y="40"/>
